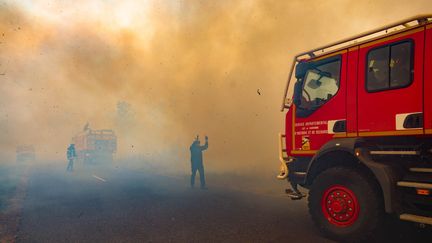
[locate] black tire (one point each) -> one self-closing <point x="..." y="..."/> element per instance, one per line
<point x="368" y="204"/>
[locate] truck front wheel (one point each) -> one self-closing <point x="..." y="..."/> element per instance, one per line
<point x="345" y="204"/>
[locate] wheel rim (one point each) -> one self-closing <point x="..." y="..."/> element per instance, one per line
<point x="340" y="206"/>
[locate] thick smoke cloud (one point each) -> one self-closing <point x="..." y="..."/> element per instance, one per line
<point x="184" y="67"/>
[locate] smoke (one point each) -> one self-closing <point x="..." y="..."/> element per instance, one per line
<point x="215" y="68"/>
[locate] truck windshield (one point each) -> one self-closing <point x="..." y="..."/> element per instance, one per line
<point x="320" y="84"/>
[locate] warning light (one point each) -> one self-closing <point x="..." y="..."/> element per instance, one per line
<point x="424" y="192"/>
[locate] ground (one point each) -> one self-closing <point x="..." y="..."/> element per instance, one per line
<point x="124" y="205"/>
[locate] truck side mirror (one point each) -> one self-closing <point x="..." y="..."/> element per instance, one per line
<point x="301" y="69"/>
<point x="297" y="92"/>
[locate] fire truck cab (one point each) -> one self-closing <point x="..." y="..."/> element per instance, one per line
<point x="359" y="129"/>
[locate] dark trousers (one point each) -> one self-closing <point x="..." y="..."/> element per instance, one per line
<point x="70" y="165"/>
<point x="200" y="169"/>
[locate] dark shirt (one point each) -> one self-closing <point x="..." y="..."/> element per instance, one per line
<point x="71" y="153"/>
<point x="196" y="153"/>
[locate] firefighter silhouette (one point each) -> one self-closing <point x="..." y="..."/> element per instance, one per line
<point x="197" y="161"/>
<point x="71" y="154"/>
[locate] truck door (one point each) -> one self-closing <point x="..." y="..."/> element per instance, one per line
<point x="427" y="92"/>
<point x="320" y="110"/>
<point x="390" y="96"/>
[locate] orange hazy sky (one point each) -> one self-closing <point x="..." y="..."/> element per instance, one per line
<point x="185" y="67"/>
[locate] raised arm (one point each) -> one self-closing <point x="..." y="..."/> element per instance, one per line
<point x="205" y="146"/>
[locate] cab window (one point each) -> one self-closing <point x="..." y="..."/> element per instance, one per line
<point x="389" y="67"/>
<point x="320" y="84"/>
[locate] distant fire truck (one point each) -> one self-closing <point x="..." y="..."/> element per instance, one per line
<point x="95" y="146"/>
<point x="359" y="129"/>
<point x="25" y="153"/>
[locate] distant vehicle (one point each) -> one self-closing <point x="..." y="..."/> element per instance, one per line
<point x="359" y="129"/>
<point x="95" y="146"/>
<point x="25" y="153"/>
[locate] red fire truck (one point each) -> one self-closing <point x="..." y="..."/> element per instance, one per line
<point x="95" y="146"/>
<point x="359" y="129"/>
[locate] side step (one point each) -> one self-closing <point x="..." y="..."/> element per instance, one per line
<point x="391" y="152"/>
<point x="414" y="184"/>
<point x="416" y="218"/>
<point x="421" y="170"/>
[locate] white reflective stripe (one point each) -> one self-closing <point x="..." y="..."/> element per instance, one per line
<point x="99" y="178"/>
<point x="400" y="119"/>
<point x="331" y="124"/>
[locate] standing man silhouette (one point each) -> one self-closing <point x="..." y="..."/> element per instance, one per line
<point x="197" y="161"/>
<point x="71" y="154"/>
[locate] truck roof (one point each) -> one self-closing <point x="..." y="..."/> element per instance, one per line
<point x="387" y="30"/>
